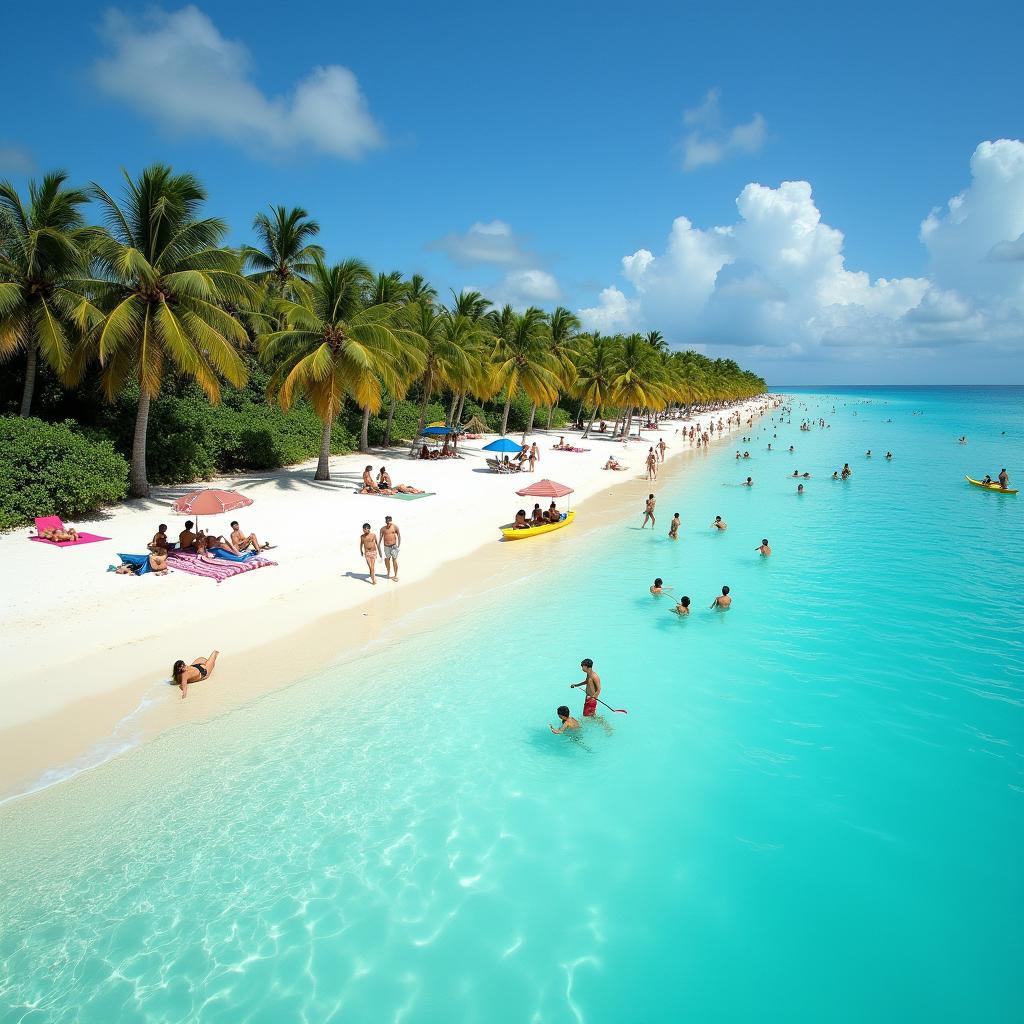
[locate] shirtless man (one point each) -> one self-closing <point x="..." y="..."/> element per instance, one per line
<point x="673" y="528"/>
<point x="723" y="600"/>
<point x="765" y="548"/>
<point x="368" y="549"/>
<point x="568" y="722"/>
<point x="242" y="541"/>
<point x="661" y="449"/>
<point x="592" y="682"/>
<point x="1004" y="479"/>
<point x="652" y="465"/>
<point x="749" y="482"/>
<point x="159" y="538"/>
<point x="187" y="539"/>
<point x="719" y="524"/>
<point x="649" y="511"/>
<point x="383" y="479"/>
<point x="369" y="486"/>
<point x="658" y="587"/>
<point x="390" y="541"/>
<point x="683" y="608"/>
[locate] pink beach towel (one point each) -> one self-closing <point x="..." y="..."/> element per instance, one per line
<point x="218" y="570"/>
<point x="54" y="523"/>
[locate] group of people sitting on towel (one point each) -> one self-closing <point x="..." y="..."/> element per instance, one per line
<point x="383" y="484"/>
<point x="197" y="542"/>
<point x="538" y="518"/>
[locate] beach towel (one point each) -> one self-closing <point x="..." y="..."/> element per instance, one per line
<point x="411" y="497"/>
<point x="230" y="556"/>
<point x="141" y="562"/>
<point x="54" y="523"/>
<point x="219" y="569"/>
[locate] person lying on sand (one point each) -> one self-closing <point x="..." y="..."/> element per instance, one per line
<point x="244" y="542"/>
<point x="69" y="533"/>
<point x="613" y="463"/>
<point x="568" y="722"/>
<point x="158" y="561"/>
<point x="202" y="668"/>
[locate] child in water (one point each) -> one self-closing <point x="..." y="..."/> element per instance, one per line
<point x="568" y="722"/>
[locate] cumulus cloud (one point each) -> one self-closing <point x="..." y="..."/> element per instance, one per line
<point x="484" y="242"/>
<point x="177" y="68"/>
<point x="15" y="159"/>
<point x="776" y="279"/>
<point x="710" y="141"/>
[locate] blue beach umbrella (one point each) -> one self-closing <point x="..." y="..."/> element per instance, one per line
<point x="436" y="431"/>
<point x="503" y="444"/>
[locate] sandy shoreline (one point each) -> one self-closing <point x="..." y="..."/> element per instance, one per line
<point x="95" y="649"/>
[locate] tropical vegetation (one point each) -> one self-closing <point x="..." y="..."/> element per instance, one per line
<point x="127" y="318"/>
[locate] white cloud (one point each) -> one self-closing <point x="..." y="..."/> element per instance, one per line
<point x="490" y="242"/>
<point x="710" y="142"/>
<point x="177" y="68"/>
<point x="776" y="279"/>
<point x="15" y="159"/>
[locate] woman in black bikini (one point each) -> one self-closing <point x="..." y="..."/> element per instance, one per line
<point x="202" y="668"/>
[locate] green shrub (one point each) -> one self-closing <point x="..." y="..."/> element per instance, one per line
<point x="54" y="469"/>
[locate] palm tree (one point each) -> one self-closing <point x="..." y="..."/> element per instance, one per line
<point x="657" y="341"/>
<point x="636" y="381"/>
<point x="43" y="251"/>
<point x="562" y="328"/>
<point x="163" y="281"/>
<point x="522" y="361"/>
<point x="286" y="254"/>
<point x="593" y="384"/>
<point x="420" y="290"/>
<point x="333" y="346"/>
<point x="385" y="289"/>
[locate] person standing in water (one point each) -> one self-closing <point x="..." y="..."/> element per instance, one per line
<point x="719" y="524"/>
<point x="592" y="682"/>
<point x="673" y="528"/>
<point x="765" y="548"/>
<point x="648" y="511"/>
<point x="568" y="722"/>
<point x="723" y="600"/>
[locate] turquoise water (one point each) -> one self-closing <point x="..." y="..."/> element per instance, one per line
<point x="813" y="810"/>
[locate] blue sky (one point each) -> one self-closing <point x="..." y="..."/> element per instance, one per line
<point x="529" y="153"/>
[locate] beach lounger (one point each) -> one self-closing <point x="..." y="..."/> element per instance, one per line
<point x="54" y="523"/>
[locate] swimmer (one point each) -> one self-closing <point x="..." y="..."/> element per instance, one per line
<point x="835" y="475"/>
<point x="683" y="608"/>
<point x="719" y="524"/>
<point x="800" y="489"/>
<point x="791" y="449"/>
<point x="568" y="722"/>
<point x="765" y="548"/>
<point x="658" y="587"/>
<point x="749" y="482"/>
<point x="888" y="456"/>
<point x="847" y="472"/>
<point x="673" y="528"/>
<point x="723" y="600"/>
<point x="867" y="454"/>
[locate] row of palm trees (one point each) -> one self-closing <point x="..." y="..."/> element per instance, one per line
<point x="153" y="289"/>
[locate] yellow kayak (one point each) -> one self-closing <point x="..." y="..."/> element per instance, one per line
<point x="991" y="487"/>
<point x="533" y="531"/>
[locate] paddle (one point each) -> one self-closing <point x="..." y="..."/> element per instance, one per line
<point x="618" y="711"/>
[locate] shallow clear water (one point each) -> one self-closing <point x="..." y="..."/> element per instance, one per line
<point x="813" y="810"/>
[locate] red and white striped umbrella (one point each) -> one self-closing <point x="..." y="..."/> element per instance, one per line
<point x="210" y="501"/>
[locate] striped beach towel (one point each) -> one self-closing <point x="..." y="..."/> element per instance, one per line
<point x="219" y="570"/>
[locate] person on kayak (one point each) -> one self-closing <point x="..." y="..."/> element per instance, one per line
<point x="1004" y="480"/>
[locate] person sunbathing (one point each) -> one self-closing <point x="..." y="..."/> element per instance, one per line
<point x="613" y="463"/>
<point x="553" y="515"/>
<point x="244" y="542"/>
<point x="69" y="533"/>
<point x="520" y="521"/>
<point x="159" y="539"/>
<point x="538" y="516"/>
<point x="369" y="487"/>
<point x="405" y="489"/>
<point x="158" y="561"/>
<point x="383" y="478"/>
<point x="202" y="668"/>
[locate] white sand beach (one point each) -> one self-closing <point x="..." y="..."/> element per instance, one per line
<point x="86" y="647"/>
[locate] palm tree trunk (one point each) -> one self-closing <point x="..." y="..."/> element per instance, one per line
<point x="138" y="482"/>
<point x="387" y="429"/>
<point x="323" y="467"/>
<point x="504" y="415"/>
<point x="31" y="361"/>
<point x="586" y="433"/>
<point x="364" y="432"/>
<point x="629" y="422"/>
<point x="551" y="416"/>
<point x="452" y="408"/>
<point x="423" y="408"/>
<point x="529" y="426"/>
<point x="462" y="405"/>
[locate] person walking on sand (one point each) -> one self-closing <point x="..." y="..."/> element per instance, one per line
<point x="390" y="541"/>
<point x="592" y="681"/>
<point x="661" y="449"/>
<point x="534" y="456"/>
<point x="673" y="528"/>
<point x="568" y="722"/>
<point x="723" y="600"/>
<point x="368" y="549"/>
<point x="652" y="464"/>
<point x="765" y="548"/>
<point x="648" y="511"/>
<point x="201" y="668"/>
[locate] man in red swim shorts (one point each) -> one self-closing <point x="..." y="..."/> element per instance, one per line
<point x="593" y="684"/>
